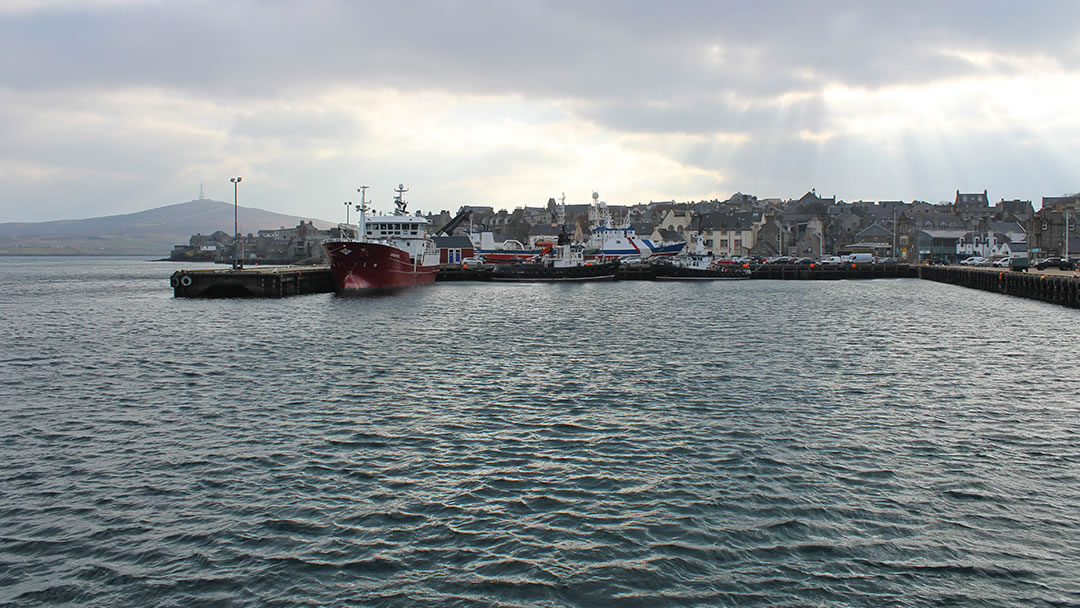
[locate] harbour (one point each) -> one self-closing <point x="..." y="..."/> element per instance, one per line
<point x="280" y="281"/>
<point x="750" y="442"/>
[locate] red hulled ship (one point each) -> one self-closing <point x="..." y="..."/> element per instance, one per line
<point x="389" y="251"/>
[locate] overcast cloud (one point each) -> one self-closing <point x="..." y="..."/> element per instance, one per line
<point x="116" y="106"/>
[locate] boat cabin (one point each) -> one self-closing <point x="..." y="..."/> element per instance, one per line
<point x="391" y="227"/>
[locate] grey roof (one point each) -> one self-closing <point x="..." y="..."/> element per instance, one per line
<point x="725" y="221"/>
<point x="452" y="242"/>
<point x="544" y="230"/>
<point x="945" y="234"/>
<point x="939" y="221"/>
<point x="874" y="230"/>
<point x="1006" y="227"/>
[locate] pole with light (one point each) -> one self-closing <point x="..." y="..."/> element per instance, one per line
<point x="238" y="261"/>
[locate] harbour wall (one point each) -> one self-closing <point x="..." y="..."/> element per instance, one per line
<point x="261" y="282"/>
<point x="277" y="282"/>
<point x="1060" y="289"/>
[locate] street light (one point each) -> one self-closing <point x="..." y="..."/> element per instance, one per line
<point x="238" y="261"/>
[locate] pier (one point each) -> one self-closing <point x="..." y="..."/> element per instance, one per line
<point x="834" y="272"/>
<point x="1056" y="288"/>
<point x="280" y="281"/>
<point x="258" y="282"/>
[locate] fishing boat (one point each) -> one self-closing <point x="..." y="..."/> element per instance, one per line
<point x="608" y="242"/>
<point x="671" y="270"/>
<point x="698" y="265"/>
<point x="565" y="264"/>
<point x="384" y="252"/>
<point x="562" y="261"/>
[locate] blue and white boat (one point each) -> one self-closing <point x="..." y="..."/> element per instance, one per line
<point x="607" y="242"/>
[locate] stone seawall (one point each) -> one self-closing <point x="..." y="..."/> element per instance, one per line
<point x="1063" y="290"/>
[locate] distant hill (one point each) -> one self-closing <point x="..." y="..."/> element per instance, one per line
<point x="151" y="232"/>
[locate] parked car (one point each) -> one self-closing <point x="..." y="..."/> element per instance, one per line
<point x="1054" y="262"/>
<point x="831" y="260"/>
<point x="1001" y="263"/>
<point x="466" y="262"/>
<point x="804" y="261"/>
<point x="975" y="260"/>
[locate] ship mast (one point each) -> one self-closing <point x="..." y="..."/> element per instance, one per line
<point x="362" y="210"/>
<point x="399" y="200"/>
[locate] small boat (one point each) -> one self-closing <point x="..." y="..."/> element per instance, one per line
<point x="699" y="265"/>
<point x="388" y="252"/>
<point x="672" y="270"/>
<point x="561" y="262"/>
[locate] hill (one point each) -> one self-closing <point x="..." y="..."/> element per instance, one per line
<point x="151" y="232"/>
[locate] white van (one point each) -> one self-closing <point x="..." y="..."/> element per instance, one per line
<point x="859" y="258"/>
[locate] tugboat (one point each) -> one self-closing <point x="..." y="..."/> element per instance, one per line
<point x="698" y="265"/>
<point x="389" y="252"/>
<point x="561" y="262"/>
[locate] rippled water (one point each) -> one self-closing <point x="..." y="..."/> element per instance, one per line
<point x="852" y="443"/>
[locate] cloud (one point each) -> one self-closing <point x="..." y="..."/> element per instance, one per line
<point x="114" y="106"/>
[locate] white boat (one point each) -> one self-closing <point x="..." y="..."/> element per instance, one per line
<point x="608" y="242"/>
<point x="699" y="264"/>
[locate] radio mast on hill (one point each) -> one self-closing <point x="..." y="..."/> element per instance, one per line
<point x="201" y="197"/>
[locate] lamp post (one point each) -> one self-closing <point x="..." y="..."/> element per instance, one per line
<point x="238" y="261"/>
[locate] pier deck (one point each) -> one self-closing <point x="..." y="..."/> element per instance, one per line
<point x="257" y="282"/>
<point x="1055" y="287"/>
<point x="1062" y="288"/>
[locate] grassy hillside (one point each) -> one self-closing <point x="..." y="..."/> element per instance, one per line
<point x="151" y="232"/>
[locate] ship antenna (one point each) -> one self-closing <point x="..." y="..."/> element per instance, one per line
<point x="399" y="200"/>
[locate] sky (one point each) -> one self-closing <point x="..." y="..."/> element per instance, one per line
<point x="117" y="106"/>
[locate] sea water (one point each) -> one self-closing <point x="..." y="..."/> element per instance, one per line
<point x="749" y="443"/>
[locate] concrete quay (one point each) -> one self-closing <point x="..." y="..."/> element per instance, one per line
<point x="255" y="282"/>
<point x="281" y="281"/>
<point x="1053" y="286"/>
<point x="788" y="272"/>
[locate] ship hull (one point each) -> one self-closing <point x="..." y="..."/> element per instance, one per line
<point x="507" y="257"/>
<point x="670" y="272"/>
<point x="543" y="273"/>
<point x="367" y="267"/>
<point x="643" y="249"/>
